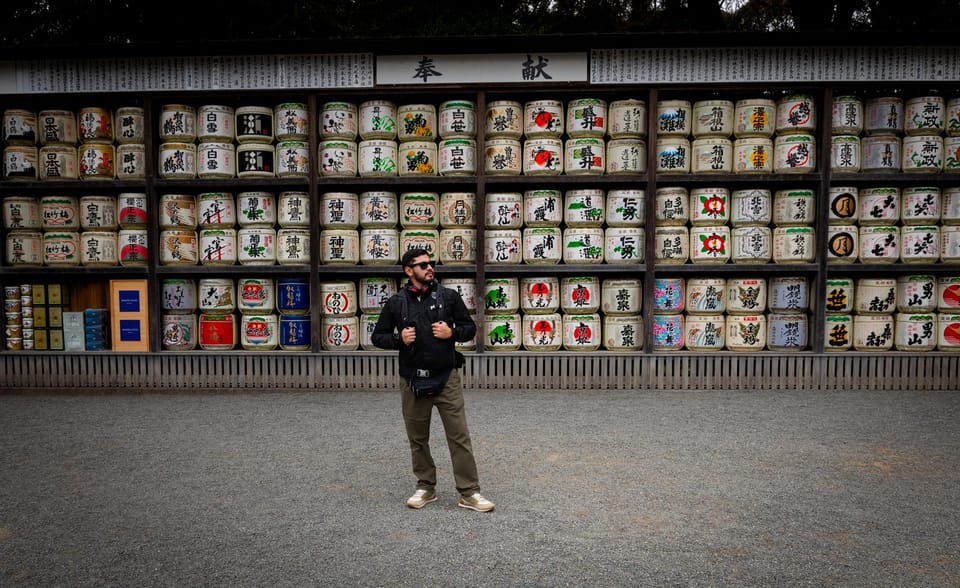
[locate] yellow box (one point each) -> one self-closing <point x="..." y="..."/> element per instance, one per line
<point x="55" y="339"/>
<point x="39" y="295"/>
<point x="54" y="294"/>
<point x="40" y="341"/>
<point x="55" y="316"/>
<point x="129" y="321"/>
<point x="39" y="316"/>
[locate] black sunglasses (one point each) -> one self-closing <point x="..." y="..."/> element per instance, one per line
<point x="424" y="264"/>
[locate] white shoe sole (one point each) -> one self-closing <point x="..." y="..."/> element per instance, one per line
<point x="425" y="502"/>
<point x="471" y="507"/>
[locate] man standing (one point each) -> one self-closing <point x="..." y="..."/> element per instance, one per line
<point x="424" y="320"/>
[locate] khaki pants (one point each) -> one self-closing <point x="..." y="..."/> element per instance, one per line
<point x="417" y="413"/>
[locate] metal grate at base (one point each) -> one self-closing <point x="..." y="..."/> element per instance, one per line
<point x="230" y="371"/>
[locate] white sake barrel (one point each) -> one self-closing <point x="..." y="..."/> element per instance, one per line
<point x="754" y="117"/>
<point x="751" y="244"/>
<point x="674" y="118"/>
<point x="623" y="245"/>
<point x="843" y="243"/>
<point x="216" y="295"/>
<point x="20" y="163"/>
<point x="628" y="118"/>
<point x="880" y="153"/>
<point x="258" y="332"/>
<point x="667" y="332"/>
<point x="458" y="246"/>
<point x="428" y="239"/>
<point x="842" y="205"/>
<point x="417" y="122"/>
<point x="672" y="245"/>
<point x="924" y="115"/>
<point x="98" y="248"/>
<point x="920" y="244"/>
<point x="256" y="295"/>
<point x="338" y="158"/>
<point x="746" y="332"/>
<point x="19" y="127"/>
<point x="673" y="155"/>
<point x="291" y="121"/>
<point x="713" y="118"/>
<point x="218" y="246"/>
<point x="672" y="206"/>
<point x="466" y="346"/>
<point x="373" y="292"/>
<point x="753" y="155"/>
<point x="746" y="295"/>
<point x="378" y="210"/>
<point x="922" y="153"/>
<point x="950" y="243"/>
<point x="952" y="117"/>
<point x="950" y="206"/>
<point x="794" y="154"/>
<point x="544" y="208"/>
<point x="178" y="295"/>
<point x="293" y="159"/>
<point x="178" y="161"/>
<point x="787" y="332"/>
<point x="218" y="332"/>
<point x="838" y="332"/>
<point x="920" y="205"/>
<point x="256" y="160"/>
<point x="712" y="155"/>
<point x="216" y="123"/>
<point x="876" y="296"/>
<point x="418" y="158"/>
<point x="846" y="115"/>
<point x="879" y="206"/>
<point x="58" y="162"/>
<point x="178" y="211"/>
<point x="179" y="332"/>
<point x="951" y="159"/>
<point x="915" y="332"/>
<point x="845" y="153"/>
<point x="706" y="296"/>
<point x="948" y="294"/>
<point x="669" y="295"/>
<point x="704" y="332"/>
<point x="338" y="120"/>
<point x="21" y="212"/>
<point x="98" y="212"/>
<point x="623" y="332"/>
<point x="916" y="294"/>
<point x="542" y="332"/>
<point x="457" y="119"/>
<point x="582" y="332"/>
<point x="133" y="245"/>
<point x="586" y="117"/>
<point x="503" y="156"/>
<point x="378" y="120"/>
<point x="794" y="207"/>
<point x="840" y="296"/>
<point x="256" y="209"/>
<point x="420" y="210"/>
<point x="179" y="247"/>
<point x="57" y="127"/>
<point x="709" y="206"/>
<point x="503" y="246"/>
<point x="216" y="210"/>
<point x="788" y="294"/>
<point x="502" y="332"/>
<point x="338" y="297"/>
<point x="293" y="246"/>
<point x="539" y="295"/>
<point x="625" y="208"/>
<point x="621" y="296"/>
<point x="794" y="245"/>
<point x="627" y="156"/>
<point x="257" y="246"/>
<point x="129" y="125"/>
<point x="873" y="332"/>
<point x="466" y="288"/>
<point x="458" y="210"/>
<point x="377" y="158"/>
<point x="61" y="248"/>
<point x="95" y="125"/>
<point x="584" y="156"/>
<point x="339" y="247"/>
<point x="584" y="208"/>
<point x="379" y="246"/>
<point x="340" y="333"/>
<point x="339" y="210"/>
<point x="543" y="156"/>
<point x="59" y="213"/>
<point x="710" y="244"/>
<point x="879" y="244"/>
<point x="293" y="209"/>
<point x="96" y="161"/>
<point x="796" y="113"/>
<point x="503" y="210"/>
<point x="542" y="245"/>
<point x="132" y="210"/>
<point x="543" y="118"/>
<point x="24" y="248"/>
<point x="178" y="122"/>
<point x="580" y="294"/>
<point x="948" y="332"/>
<point x="583" y="245"/>
<point x="457" y="157"/>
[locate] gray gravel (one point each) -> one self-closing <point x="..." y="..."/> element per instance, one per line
<point x="603" y="488"/>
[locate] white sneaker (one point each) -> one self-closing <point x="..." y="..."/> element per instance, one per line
<point x="476" y="502"/>
<point x="421" y="497"/>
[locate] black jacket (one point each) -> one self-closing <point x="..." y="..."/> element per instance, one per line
<point x="427" y="352"/>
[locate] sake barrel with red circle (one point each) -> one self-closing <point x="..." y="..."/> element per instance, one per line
<point x="582" y="332"/>
<point x="710" y="244"/>
<point x="338" y="298"/>
<point x="539" y="295"/>
<point x="948" y="294"/>
<point x="542" y="332"/>
<point x="543" y="118"/>
<point x="218" y="332"/>
<point x="256" y="295"/>
<point x="948" y="332"/>
<point x="580" y="294"/>
<point x="709" y="206"/>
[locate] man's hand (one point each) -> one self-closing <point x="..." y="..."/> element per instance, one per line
<point x="442" y="330"/>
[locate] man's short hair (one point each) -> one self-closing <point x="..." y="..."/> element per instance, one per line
<point x="412" y="254"/>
